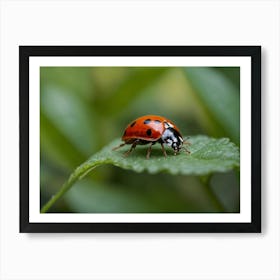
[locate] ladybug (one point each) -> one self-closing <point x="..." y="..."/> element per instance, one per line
<point x="152" y="129"/>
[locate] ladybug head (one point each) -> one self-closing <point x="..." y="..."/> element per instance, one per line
<point x="173" y="139"/>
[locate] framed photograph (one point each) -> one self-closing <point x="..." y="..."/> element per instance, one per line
<point x="140" y="138"/>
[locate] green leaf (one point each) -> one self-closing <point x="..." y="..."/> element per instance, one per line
<point x="219" y="97"/>
<point x="67" y="127"/>
<point x="91" y="196"/>
<point x="67" y="121"/>
<point x="207" y="155"/>
<point x="56" y="147"/>
<point x="70" y="115"/>
<point x="137" y="83"/>
<point x="231" y="73"/>
<point x="74" y="79"/>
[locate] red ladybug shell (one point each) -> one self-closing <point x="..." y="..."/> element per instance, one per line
<point x="149" y="128"/>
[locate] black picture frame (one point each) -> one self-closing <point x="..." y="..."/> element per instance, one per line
<point x="254" y="52"/>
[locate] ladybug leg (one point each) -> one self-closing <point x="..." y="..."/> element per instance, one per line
<point x="121" y="145"/>
<point x="186" y="150"/>
<point x="149" y="150"/>
<point x="134" y="144"/>
<point x="186" y="142"/>
<point x="163" y="150"/>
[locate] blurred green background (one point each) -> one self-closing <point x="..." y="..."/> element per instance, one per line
<point x="82" y="109"/>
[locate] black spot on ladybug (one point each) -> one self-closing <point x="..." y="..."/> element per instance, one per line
<point x="157" y="121"/>
<point x="149" y="132"/>
<point x="132" y="124"/>
<point x="147" y="121"/>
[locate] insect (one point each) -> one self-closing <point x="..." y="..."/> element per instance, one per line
<point x="152" y="129"/>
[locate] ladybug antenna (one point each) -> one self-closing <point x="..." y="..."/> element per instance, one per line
<point x="185" y="140"/>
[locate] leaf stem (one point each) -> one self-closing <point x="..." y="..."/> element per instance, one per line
<point x="206" y="183"/>
<point x="79" y="173"/>
<point x="209" y="155"/>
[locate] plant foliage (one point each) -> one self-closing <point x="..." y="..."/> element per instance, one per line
<point x="207" y="155"/>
